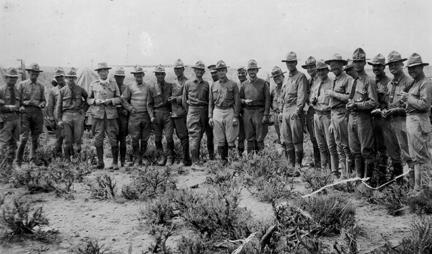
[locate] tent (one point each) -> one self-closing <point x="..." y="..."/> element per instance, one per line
<point x="85" y="77"/>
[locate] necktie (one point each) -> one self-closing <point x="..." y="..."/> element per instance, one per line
<point x="72" y="96"/>
<point x="319" y="89"/>
<point x="12" y="95"/>
<point x="353" y="88"/>
<point x="393" y="90"/>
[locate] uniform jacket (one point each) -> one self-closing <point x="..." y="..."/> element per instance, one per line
<point x="104" y="91"/>
<point x="71" y="99"/>
<point x="258" y="91"/>
<point x="224" y="94"/>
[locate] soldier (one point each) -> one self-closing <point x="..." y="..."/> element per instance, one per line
<point x="159" y="109"/>
<point x="178" y="111"/>
<point x="339" y="95"/>
<point x="123" y="116"/>
<point x="255" y="98"/>
<point x="71" y="107"/>
<point x="385" y="138"/>
<point x="104" y="96"/>
<point x="224" y="107"/>
<point x="275" y="94"/>
<point x="292" y="102"/>
<point x="213" y="72"/>
<point x="9" y="121"/>
<point x="134" y="99"/>
<point x="242" y="76"/>
<point x="395" y="112"/>
<point x="32" y="102"/>
<point x="320" y="100"/>
<point x="349" y="69"/>
<point x="59" y="78"/>
<point x="418" y="105"/>
<point x="362" y="100"/>
<point x="195" y="99"/>
<point x="310" y="66"/>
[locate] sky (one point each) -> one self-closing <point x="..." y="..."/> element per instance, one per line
<point x="149" y="32"/>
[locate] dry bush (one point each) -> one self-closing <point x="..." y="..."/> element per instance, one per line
<point x="161" y="234"/>
<point x="392" y="197"/>
<point x="91" y="247"/>
<point x="103" y="188"/>
<point x="421" y="203"/>
<point x="159" y="211"/>
<point x="316" y="179"/>
<point x="149" y="183"/>
<point x="194" y="245"/>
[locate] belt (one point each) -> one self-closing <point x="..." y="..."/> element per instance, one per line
<point x="322" y="112"/>
<point x="339" y="109"/>
<point x="224" y="107"/>
<point x="198" y="106"/>
<point x="72" y="111"/>
<point x="253" y="107"/>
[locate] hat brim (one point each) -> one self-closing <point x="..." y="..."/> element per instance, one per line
<point x="256" y="68"/>
<point x="11" y="76"/>
<point x="287" y="61"/>
<point x="133" y="72"/>
<point x="198" y="68"/>
<point x="418" y="64"/>
<point x="33" y="70"/>
<point x="348" y="67"/>
<point x="345" y="62"/>
<point x="397" y="61"/>
<point x="61" y="75"/>
<point x="220" y="68"/>
<point x="178" y="67"/>
<point x="159" y="72"/>
<point x="278" y="74"/>
<point x="120" y="75"/>
<point x="307" y="66"/>
<point x="71" y="76"/>
<point x="107" y="68"/>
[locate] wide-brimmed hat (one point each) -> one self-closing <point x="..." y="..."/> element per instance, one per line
<point x="309" y="63"/>
<point x="34" y="67"/>
<point x="252" y="64"/>
<point x="120" y="72"/>
<point x="378" y="60"/>
<point x="415" y="60"/>
<point x="72" y="73"/>
<point x="159" y="69"/>
<point x="178" y="64"/>
<point x="199" y="65"/>
<point x="137" y="69"/>
<point x="102" y="66"/>
<point x="221" y="65"/>
<point x="212" y="68"/>
<point x="336" y="58"/>
<point x="241" y="69"/>
<point x="320" y="65"/>
<point x="59" y="71"/>
<point x="359" y="55"/>
<point x="290" y="57"/>
<point x="12" y="72"/>
<point x="349" y="65"/>
<point x="276" y="71"/>
<point x="394" y="57"/>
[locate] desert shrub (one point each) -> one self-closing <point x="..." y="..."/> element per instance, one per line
<point x="91" y="246"/>
<point x="103" y="188"/>
<point x="194" y="245"/>
<point x="271" y="189"/>
<point x="316" y="179"/>
<point x="421" y="203"/>
<point x="392" y="197"/>
<point x="161" y="234"/>
<point x="19" y="219"/>
<point x="159" y="211"/>
<point x="332" y="213"/>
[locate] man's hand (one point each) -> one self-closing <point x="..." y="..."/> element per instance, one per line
<point x="133" y="111"/>
<point x="247" y="101"/>
<point x="404" y="96"/>
<point x="152" y="119"/>
<point x="331" y="128"/>
<point x="265" y="120"/>
<point x="280" y="117"/>
<point x="235" y="121"/>
<point x="60" y="124"/>
<point x="351" y="105"/>
<point x="172" y="99"/>
<point x="22" y="109"/>
<point x="211" y="122"/>
<point x="98" y="102"/>
<point x="26" y="103"/>
<point x="107" y="102"/>
<point x="329" y="92"/>
<point x="42" y="104"/>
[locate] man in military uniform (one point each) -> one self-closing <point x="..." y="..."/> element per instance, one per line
<point x="159" y="108"/>
<point x="195" y="99"/>
<point x="32" y="102"/>
<point x="224" y="107"/>
<point x="395" y="111"/>
<point x="9" y="122"/>
<point x="362" y="100"/>
<point x="385" y="138"/>
<point x="104" y="96"/>
<point x="275" y="96"/>
<point x="339" y="95"/>
<point x="213" y="72"/>
<point x="310" y="66"/>
<point x="349" y="69"/>
<point x="242" y="76"/>
<point x="134" y="99"/>
<point x="418" y="101"/>
<point x="123" y="117"/>
<point x="255" y="98"/>
<point x="178" y="111"/>
<point x="70" y="109"/>
<point x="320" y="100"/>
<point x="292" y="103"/>
<point x="59" y="78"/>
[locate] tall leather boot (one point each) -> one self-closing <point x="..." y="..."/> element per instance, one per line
<point x="170" y="148"/>
<point x="417" y="178"/>
<point x="397" y="170"/>
<point x="122" y="153"/>
<point x="99" y="154"/>
<point x="317" y="157"/>
<point x="115" y="154"/>
<point x="358" y="166"/>
<point x="186" y="156"/>
<point x="136" y="155"/>
<point x="141" y="153"/>
<point x="221" y="152"/>
<point x="67" y="152"/>
<point x="298" y="159"/>
<point x="291" y="158"/>
<point x="334" y="161"/>
<point x="368" y="168"/>
<point x="194" y="156"/>
<point x="33" y="151"/>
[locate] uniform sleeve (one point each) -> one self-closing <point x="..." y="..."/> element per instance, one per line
<point x="372" y="101"/>
<point x="2" y="100"/>
<point x="42" y="95"/>
<point x="242" y="93"/>
<point x="58" y="107"/>
<point x="282" y="99"/>
<point x="150" y="102"/>
<point x="51" y="104"/>
<point x="185" y="96"/>
<point x="237" y="103"/>
<point x="267" y="99"/>
<point x="211" y="103"/>
<point x="125" y="99"/>
<point x="344" y="96"/>
<point x="423" y="103"/>
<point x="91" y="99"/>
<point x="301" y="92"/>
<point x="179" y="96"/>
<point x="116" y="100"/>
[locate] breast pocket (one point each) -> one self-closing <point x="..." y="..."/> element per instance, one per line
<point x="215" y="94"/>
<point x="361" y="94"/>
<point x="229" y="93"/>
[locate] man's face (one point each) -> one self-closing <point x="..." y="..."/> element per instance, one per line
<point x="378" y="69"/>
<point x="351" y="72"/>
<point x="322" y="73"/>
<point x="395" y="67"/>
<point x="311" y="71"/>
<point x="60" y="80"/>
<point x="160" y="77"/>
<point x="139" y="77"/>
<point x="103" y="74"/>
<point x="415" y="71"/>
<point x="179" y="71"/>
<point x="221" y="73"/>
<point x="291" y="66"/>
<point x="33" y="75"/>
<point x="199" y="72"/>
<point x="336" y="67"/>
<point x="359" y="65"/>
<point x="242" y="76"/>
<point x="252" y="73"/>
<point x="278" y="79"/>
<point x="10" y="81"/>
<point x="214" y="75"/>
<point x="71" y="80"/>
<point x="119" y="79"/>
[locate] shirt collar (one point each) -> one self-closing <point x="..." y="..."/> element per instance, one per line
<point x="293" y="73"/>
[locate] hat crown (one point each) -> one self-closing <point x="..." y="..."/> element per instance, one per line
<point x="12" y="72"/>
<point x="337" y="57"/>
<point x="102" y="65"/>
<point x="72" y="72"/>
<point x="291" y="56"/>
<point x="199" y="65"/>
<point x="394" y="56"/>
<point x="415" y="59"/>
<point x="220" y="64"/>
<point x="179" y="64"/>
<point x="310" y="61"/>
<point x="359" y="54"/>
<point x="321" y="65"/>
<point x="34" y="67"/>
<point x="59" y="71"/>
<point x="160" y="69"/>
<point x="276" y="71"/>
<point x="241" y="69"/>
<point x="252" y="64"/>
<point x="378" y="59"/>
<point x="138" y="69"/>
<point x="119" y="72"/>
